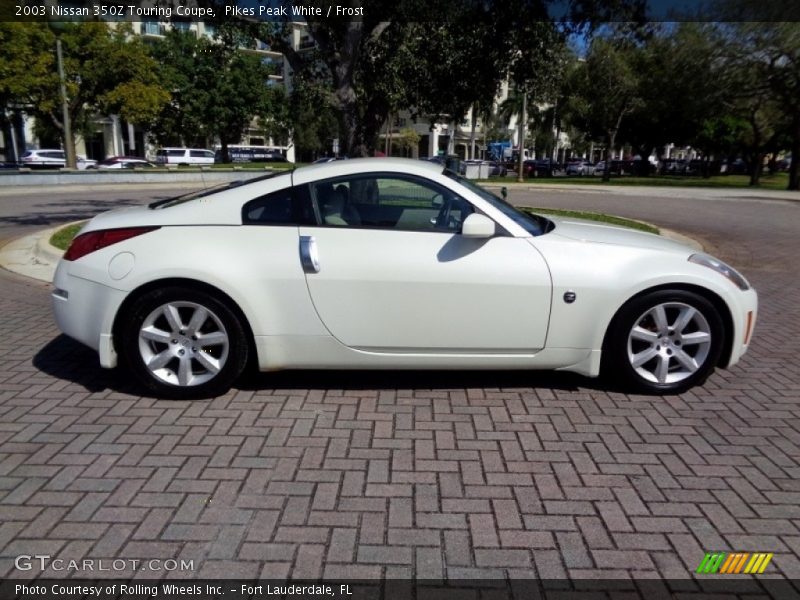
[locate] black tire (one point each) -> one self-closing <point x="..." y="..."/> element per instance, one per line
<point x="202" y="382"/>
<point x="621" y="350"/>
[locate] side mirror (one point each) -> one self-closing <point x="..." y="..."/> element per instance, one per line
<point x="477" y="226"/>
<point x="504" y="192"/>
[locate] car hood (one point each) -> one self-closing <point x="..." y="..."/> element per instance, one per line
<point x="599" y="233"/>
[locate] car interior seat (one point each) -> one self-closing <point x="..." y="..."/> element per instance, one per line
<point x="332" y="208"/>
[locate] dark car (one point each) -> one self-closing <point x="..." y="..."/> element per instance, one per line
<point x="543" y="167"/>
<point x="497" y="169"/>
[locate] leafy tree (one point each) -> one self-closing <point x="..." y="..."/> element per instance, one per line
<point x="107" y="72"/>
<point x="768" y="55"/>
<point x="218" y="88"/>
<point x="408" y="140"/>
<point x="606" y="91"/>
<point x="312" y="118"/>
<point x="438" y="57"/>
<point x="679" y="87"/>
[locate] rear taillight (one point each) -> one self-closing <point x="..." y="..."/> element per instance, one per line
<point x="87" y="243"/>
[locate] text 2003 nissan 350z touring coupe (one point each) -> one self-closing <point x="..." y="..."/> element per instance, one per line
<point x="385" y="263"/>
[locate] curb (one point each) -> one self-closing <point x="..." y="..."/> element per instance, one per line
<point x="32" y="255"/>
<point x="679" y="237"/>
<point x="45" y="250"/>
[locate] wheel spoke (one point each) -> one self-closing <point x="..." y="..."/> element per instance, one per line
<point x="662" y="370"/>
<point x="187" y="333"/>
<point x="215" y="338"/>
<point x="686" y="315"/>
<point x="660" y="317"/>
<point x="184" y="370"/>
<point x="160" y="360"/>
<point x="644" y="335"/>
<point x="209" y="362"/>
<point x="687" y="361"/>
<point x="154" y="334"/>
<point x="696" y="337"/>
<point x="642" y="357"/>
<point x="198" y="318"/>
<point x="173" y="317"/>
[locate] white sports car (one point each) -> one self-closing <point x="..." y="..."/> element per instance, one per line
<point x="389" y="263"/>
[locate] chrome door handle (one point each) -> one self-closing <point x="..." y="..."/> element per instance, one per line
<point x="309" y="257"/>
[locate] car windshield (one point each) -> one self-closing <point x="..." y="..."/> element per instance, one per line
<point x="167" y="202"/>
<point x="533" y="224"/>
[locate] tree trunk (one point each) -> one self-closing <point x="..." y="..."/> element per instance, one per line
<point x="755" y="168"/>
<point x="223" y="146"/>
<point x="472" y="132"/>
<point x="522" y="118"/>
<point x="612" y="135"/>
<point x="794" y="166"/>
<point x="387" y="146"/>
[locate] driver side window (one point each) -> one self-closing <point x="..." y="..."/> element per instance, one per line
<point x="389" y="202"/>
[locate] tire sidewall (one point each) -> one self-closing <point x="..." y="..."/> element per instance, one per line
<point x="617" y="367"/>
<point x="128" y="343"/>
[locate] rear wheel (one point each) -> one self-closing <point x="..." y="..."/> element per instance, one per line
<point x="663" y="342"/>
<point x="183" y="343"/>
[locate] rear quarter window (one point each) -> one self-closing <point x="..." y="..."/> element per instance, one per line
<point x="288" y="206"/>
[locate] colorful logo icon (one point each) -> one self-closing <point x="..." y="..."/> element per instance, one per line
<point x="734" y="563"/>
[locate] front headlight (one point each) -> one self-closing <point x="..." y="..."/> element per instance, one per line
<point x="720" y="267"/>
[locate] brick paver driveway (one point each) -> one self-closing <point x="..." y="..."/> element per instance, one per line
<point x="430" y="475"/>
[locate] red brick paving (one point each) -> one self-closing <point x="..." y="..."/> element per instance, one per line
<point x="428" y="474"/>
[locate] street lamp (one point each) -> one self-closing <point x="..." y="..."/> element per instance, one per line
<point x="58" y="27"/>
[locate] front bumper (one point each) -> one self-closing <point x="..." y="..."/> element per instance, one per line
<point x="743" y="312"/>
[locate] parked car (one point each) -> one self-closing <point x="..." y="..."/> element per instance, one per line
<point x="497" y="169"/>
<point x="184" y="156"/>
<point x="124" y="162"/>
<point x="618" y="167"/>
<point x="327" y="159"/>
<point x="543" y="167"/>
<point x="580" y="167"/>
<point x="52" y="159"/>
<point x="389" y="263"/>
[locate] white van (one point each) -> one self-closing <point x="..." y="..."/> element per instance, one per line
<point x="184" y="156"/>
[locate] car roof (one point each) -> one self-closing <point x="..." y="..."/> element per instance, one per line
<point x="355" y="166"/>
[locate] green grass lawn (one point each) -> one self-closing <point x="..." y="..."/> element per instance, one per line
<point x="779" y="181"/>
<point x="62" y="238"/>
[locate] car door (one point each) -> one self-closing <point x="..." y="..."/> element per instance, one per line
<point x="388" y="271"/>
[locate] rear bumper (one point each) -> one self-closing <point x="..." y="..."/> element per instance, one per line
<point x="84" y="311"/>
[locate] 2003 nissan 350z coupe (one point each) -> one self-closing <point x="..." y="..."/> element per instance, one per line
<point x="389" y="263"/>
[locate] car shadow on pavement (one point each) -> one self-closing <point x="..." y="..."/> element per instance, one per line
<point x="66" y="359"/>
<point x="394" y="379"/>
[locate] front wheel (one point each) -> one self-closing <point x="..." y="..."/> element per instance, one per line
<point x="663" y="342"/>
<point x="183" y="343"/>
